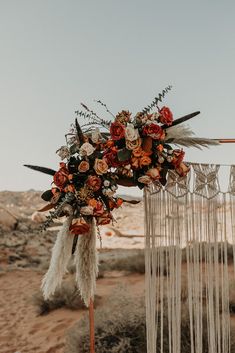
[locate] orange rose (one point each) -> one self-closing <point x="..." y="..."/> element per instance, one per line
<point x="70" y="188"/>
<point x="61" y="177"/>
<point x="178" y="157"/>
<point x="100" y="166"/>
<point x="145" y="160"/>
<point x="160" y="148"/>
<point x="83" y="167"/>
<point x="79" y="226"/>
<point x="135" y="162"/>
<point x="138" y="152"/>
<point x="94" y="182"/>
<point x="98" y="208"/>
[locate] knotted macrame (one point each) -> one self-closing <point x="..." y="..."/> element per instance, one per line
<point x="190" y="213"/>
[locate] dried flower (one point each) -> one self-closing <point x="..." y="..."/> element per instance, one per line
<point x="86" y="149"/>
<point x="96" y="136"/>
<point x="123" y="117"/>
<point x="63" y="152"/>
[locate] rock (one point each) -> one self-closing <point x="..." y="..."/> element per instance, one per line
<point x="7" y="221"/>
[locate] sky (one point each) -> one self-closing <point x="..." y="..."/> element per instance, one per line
<point x="56" y="54"/>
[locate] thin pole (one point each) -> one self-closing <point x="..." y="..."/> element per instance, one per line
<point x="226" y="140"/>
<point x="92" y="326"/>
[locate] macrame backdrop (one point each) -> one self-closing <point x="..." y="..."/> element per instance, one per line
<point x="189" y="224"/>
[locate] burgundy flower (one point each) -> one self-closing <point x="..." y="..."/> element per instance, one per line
<point x="166" y="116"/>
<point x="117" y="131"/>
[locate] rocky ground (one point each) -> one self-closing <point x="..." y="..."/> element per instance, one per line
<point x="24" y="258"/>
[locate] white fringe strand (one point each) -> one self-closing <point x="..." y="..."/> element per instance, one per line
<point x="61" y="254"/>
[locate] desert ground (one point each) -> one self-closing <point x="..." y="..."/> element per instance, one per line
<point x="26" y="324"/>
<point x="29" y="324"/>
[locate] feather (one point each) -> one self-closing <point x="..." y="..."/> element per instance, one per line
<point x="197" y="142"/>
<point x="61" y="254"/>
<point x="181" y="120"/>
<point x="178" y="131"/>
<point x="41" y="169"/>
<point x="79" y="131"/>
<point x="86" y="261"/>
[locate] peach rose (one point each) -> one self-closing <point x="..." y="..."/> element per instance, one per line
<point x="135" y="162"/>
<point x="86" y="149"/>
<point x="153" y="173"/>
<point x="132" y="145"/>
<point x="100" y="166"/>
<point x="83" y="167"/>
<point x="145" y="160"/>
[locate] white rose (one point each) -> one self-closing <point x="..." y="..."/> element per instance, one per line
<point x="87" y="210"/>
<point x="86" y="149"/>
<point x="96" y="135"/>
<point x="63" y="152"/>
<point x="131" y="133"/>
<point x="144" y="179"/>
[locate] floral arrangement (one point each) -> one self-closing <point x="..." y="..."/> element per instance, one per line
<point x="127" y="150"/>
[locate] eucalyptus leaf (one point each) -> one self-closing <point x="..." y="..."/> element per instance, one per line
<point x="124" y="154"/>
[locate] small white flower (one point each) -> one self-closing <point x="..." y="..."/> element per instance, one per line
<point x="170" y="151"/>
<point x="169" y="159"/>
<point x="87" y="210"/>
<point x="106" y="183"/>
<point x="63" y="152"/>
<point x="131" y="133"/>
<point x="86" y="149"/>
<point x="161" y="160"/>
<point x="96" y="135"/>
<point x="114" y="187"/>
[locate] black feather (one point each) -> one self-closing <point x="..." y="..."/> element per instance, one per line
<point x="182" y="119"/>
<point x="79" y="131"/>
<point x="41" y="169"/>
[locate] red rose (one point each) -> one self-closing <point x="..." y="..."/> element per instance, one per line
<point x="111" y="157"/>
<point x="166" y="116"/>
<point x="94" y="182"/>
<point x="62" y="176"/>
<point x="178" y="157"/>
<point x="79" y="227"/>
<point x="153" y="130"/>
<point x="117" y="131"/>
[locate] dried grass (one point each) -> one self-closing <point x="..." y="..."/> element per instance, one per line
<point x="67" y="296"/>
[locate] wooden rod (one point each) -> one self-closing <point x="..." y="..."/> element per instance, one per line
<point x="226" y="140"/>
<point x="92" y="326"/>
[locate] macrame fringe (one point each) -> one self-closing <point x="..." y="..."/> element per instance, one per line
<point x="201" y="222"/>
<point x="61" y="254"/>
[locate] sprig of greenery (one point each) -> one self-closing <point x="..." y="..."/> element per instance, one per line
<point x="105" y="106"/>
<point x="156" y="100"/>
<point x="91" y="115"/>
